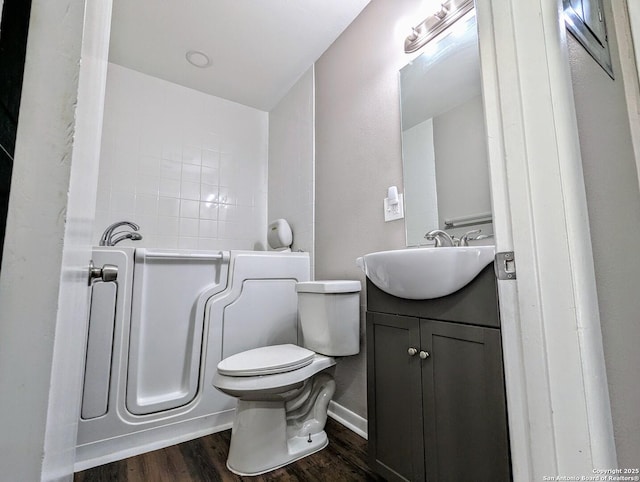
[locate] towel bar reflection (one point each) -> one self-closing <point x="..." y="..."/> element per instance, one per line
<point x="482" y="218"/>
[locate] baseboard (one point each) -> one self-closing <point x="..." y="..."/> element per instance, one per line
<point x="349" y="419"/>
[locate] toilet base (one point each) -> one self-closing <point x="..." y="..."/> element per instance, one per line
<point x="259" y="441"/>
<point x="299" y="448"/>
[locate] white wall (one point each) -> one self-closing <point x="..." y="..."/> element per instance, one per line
<point x="189" y="167"/>
<point x="613" y="200"/>
<point x="291" y="163"/>
<point x="420" y="194"/>
<point x="462" y="167"/>
<point x="358" y="155"/>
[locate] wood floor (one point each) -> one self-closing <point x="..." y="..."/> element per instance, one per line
<point x="204" y="459"/>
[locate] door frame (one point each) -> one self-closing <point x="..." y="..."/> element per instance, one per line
<point x="43" y="282"/>
<point x="558" y="400"/>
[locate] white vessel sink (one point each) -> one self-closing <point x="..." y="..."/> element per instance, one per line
<point x="425" y="273"/>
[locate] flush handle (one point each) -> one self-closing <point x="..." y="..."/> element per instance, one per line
<point x="108" y="272"/>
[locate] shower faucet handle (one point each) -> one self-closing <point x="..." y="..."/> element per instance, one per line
<point x="107" y="273"/>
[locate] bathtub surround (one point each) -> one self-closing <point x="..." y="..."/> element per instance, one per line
<point x="291" y="163"/>
<point x="188" y="167"/>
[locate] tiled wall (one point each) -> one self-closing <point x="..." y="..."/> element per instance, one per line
<point x="190" y="168"/>
<point x="291" y="163"/>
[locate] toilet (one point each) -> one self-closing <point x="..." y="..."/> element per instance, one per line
<point x="284" y="391"/>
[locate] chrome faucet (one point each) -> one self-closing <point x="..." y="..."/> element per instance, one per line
<point x="108" y="239"/>
<point x="440" y="237"/>
<point x="466" y="237"/>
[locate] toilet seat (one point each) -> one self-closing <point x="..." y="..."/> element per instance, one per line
<point x="266" y="360"/>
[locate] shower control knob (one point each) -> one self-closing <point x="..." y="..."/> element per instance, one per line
<point x="412" y="351"/>
<point x="108" y="272"/>
<point x="424" y="354"/>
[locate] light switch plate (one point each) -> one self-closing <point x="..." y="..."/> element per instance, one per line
<point x="393" y="211"/>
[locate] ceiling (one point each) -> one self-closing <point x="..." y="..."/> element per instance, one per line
<point x="258" y="48"/>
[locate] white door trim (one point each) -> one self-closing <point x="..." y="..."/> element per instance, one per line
<point x="43" y="284"/>
<point x="557" y="394"/>
<point x="72" y="317"/>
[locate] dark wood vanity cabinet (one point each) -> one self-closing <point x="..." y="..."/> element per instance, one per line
<point x="436" y="398"/>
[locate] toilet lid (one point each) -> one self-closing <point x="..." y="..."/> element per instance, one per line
<point x="266" y="360"/>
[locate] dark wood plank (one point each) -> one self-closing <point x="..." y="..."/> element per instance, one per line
<point x="205" y="459"/>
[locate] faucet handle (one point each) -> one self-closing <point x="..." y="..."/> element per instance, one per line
<point x="440" y="237"/>
<point x="466" y="237"/>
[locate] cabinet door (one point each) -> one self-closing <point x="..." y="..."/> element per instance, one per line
<point x="465" y="422"/>
<point x="394" y="395"/>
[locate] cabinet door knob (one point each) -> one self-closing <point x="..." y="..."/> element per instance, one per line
<point x="424" y="354"/>
<point x="412" y="351"/>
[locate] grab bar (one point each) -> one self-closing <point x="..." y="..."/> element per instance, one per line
<point x="196" y="256"/>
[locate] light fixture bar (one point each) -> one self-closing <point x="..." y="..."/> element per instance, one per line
<point x="450" y="11"/>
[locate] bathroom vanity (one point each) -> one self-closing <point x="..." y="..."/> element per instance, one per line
<point x="436" y="396"/>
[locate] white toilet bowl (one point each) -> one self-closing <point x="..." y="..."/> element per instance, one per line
<point x="284" y="391"/>
<point x="280" y="415"/>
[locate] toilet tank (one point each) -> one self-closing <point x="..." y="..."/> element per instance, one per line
<point x="329" y="314"/>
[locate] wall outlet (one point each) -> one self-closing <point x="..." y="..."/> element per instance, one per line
<point x="393" y="211"/>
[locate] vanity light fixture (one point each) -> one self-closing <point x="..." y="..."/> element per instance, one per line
<point x="198" y="59"/>
<point x="449" y="12"/>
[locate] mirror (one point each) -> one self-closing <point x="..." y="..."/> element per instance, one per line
<point x="444" y="148"/>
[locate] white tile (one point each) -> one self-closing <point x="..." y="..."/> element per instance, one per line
<point x="226" y="230"/>
<point x="209" y="193"/>
<point x="150" y="145"/>
<point x="170" y="169"/>
<point x="212" y="243"/>
<point x="168" y="226"/>
<point x="227" y="196"/>
<point x="168" y="206"/>
<point x="123" y="202"/>
<point x="169" y="188"/>
<point x="164" y="149"/>
<point x="189" y="227"/>
<point x="171" y="150"/>
<point x="148" y="226"/>
<point x="208" y="210"/>
<point x="209" y="175"/>
<point x="226" y="212"/>
<point x="146" y="205"/>
<point x="190" y="190"/>
<point x="148" y="185"/>
<point x="210" y="158"/>
<point x="166" y="241"/>
<point x="189" y="208"/>
<point x="191" y="173"/>
<point x="211" y="141"/>
<point x="208" y="229"/>
<point x="103" y="200"/>
<point x="148" y="166"/>
<point x="191" y="155"/>
<point x="185" y="242"/>
<point x="125" y="181"/>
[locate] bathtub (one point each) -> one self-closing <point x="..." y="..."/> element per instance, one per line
<point x="156" y="335"/>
